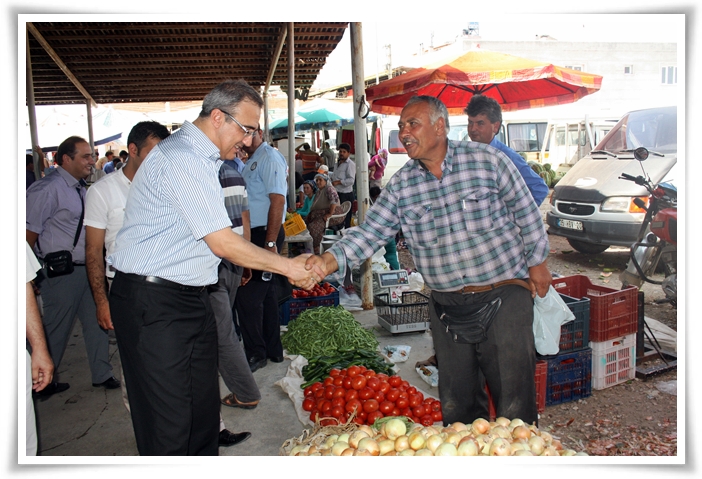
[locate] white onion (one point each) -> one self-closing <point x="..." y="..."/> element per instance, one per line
<point x="500" y="447"/>
<point x="502" y="421"/>
<point x="501" y="431"/>
<point x="468" y="447"/>
<point x="458" y="426"/>
<point x="401" y="443"/>
<point x="446" y="449"/>
<point x="480" y="426"/>
<point x="521" y="432"/>
<point x="394" y="428"/>
<point x="385" y="446"/>
<point x="356" y="436"/>
<point x="406" y="452"/>
<point x="424" y="452"/>
<point x="339" y="447"/>
<point x="515" y="422"/>
<point x="370" y="445"/>
<point x="433" y="442"/>
<point x="417" y="440"/>
<point x="550" y="451"/>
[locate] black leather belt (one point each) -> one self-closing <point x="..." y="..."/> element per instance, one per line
<point x="490" y="287"/>
<point x="165" y="282"/>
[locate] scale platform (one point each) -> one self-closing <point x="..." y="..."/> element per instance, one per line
<point x="400" y="311"/>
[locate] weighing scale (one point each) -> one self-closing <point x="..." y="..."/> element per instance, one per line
<point x="400" y="312"/>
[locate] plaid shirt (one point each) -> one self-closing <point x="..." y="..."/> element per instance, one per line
<point x="476" y="226"/>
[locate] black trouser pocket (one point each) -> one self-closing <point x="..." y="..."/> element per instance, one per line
<point x="468" y="324"/>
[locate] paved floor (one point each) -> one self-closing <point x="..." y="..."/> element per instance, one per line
<point x="88" y="421"/>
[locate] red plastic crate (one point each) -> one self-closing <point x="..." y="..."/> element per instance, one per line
<point x="613" y="313"/>
<point x="540" y="379"/>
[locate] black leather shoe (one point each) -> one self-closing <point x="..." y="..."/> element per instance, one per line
<point x="257" y="363"/>
<point x="50" y="390"/>
<point x="228" y="438"/>
<point x="111" y="383"/>
<point x="276" y="359"/>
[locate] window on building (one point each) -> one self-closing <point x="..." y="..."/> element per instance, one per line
<point x="669" y="75"/>
<point x="628" y="69"/>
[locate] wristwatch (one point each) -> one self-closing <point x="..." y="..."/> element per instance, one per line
<point x="270" y="244"/>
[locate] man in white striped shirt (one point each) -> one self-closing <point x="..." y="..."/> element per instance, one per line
<point x="176" y="229"/>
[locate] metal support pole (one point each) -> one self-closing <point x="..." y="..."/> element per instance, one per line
<point x="361" y="156"/>
<point x="91" y="137"/>
<point x="32" y="113"/>
<point x="291" y="113"/>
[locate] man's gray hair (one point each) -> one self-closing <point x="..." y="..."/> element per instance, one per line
<point x="228" y="95"/>
<point x="438" y="109"/>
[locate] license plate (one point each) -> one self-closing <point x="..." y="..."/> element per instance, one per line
<point x="571" y="225"/>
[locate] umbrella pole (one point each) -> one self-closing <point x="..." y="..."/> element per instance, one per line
<point x="361" y="157"/>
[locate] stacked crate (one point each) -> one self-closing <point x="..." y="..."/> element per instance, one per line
<point x="612" y="329"/>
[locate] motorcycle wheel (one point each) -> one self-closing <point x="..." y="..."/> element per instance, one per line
<point x="587" y="248"/>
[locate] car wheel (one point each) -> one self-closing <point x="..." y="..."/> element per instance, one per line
<point x="587" y="248"/>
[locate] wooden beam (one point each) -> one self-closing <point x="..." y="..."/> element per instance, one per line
<point x="35" y="33"/>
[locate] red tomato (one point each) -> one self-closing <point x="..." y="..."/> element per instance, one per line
<point x="358" y="420"/>
<point x="371" y="405"/>
<point x="369" y="374"/>
<point x="411" y="390"/>
<point x="437" y="416"/>
<point x="436" y="406"/>
<point x="317" y="385"/>
<point x="402" y="403"/>
<point x="334" y="372"/>
<point x="338" y="381"/>
<point x="308" y="391"/>
<point x="339" y="392"/>
<point x="374" y="416"/>
<point x="373" y="383"/>
<point x="392" y="395"/>
<point x="314" y="414"/>
<point x="366" y="393"/>
<point x="353" y="405"/>
<point x="419" y="411"/>
<point x="319" y="393"/>
<point x="328" y="381"/>
<point x="308" y="404"/>
<point x="384" y="387"/>
<point x="358" y="382"/>
<point x="395" y="411"/>
<point x="320" y="402"/>
<point x="339" y="401"/>
<point x="382" y="376"/>
<point x="351" y="394"/>
<point x="326" y="407"/>
<point x="353" y="371"/>
<point x="328" y="422"/>
<point x="415" y="400"/>
<point x="386" y="407"/>
<point x="379" y="396"/>
<point x="406" y="412"/>
<point x="336" y="411"/>
<point x="362" y="368"/>
<point x="395" y="381"/>
<point x="347" y="382"/>
<point x="329" y="391"/>
<point x="426" y="420"/>
<point x="404" y="384"/>
<point x="362" y="414"/>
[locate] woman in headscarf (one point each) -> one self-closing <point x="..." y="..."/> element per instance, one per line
<point x="325" y="204"/>
<point x="309" y="188"/>
<point x="376" y="168"/>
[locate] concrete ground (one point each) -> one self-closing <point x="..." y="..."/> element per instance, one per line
<point x="89" y="421"/>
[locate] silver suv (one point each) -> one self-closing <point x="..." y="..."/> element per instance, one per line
<point x="590" y="205"/>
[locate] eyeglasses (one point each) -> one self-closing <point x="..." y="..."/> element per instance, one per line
<point x="247" y="132"/>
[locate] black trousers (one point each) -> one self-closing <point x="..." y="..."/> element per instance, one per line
<point x="506" y="359"/>
<point x="167" y="342"/>
<point x="257" y="308"/>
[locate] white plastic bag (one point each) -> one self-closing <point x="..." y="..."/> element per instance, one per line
<point x="550" y="312"/>
<point x="396" y="354"/>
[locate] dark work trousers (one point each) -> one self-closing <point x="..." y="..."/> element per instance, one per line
<point x="167" y="342"/>
<point x="257" y="309"/>
<point x="347" y="197"/>
<point x="233" y="366"/>
<point x="506" y="359"/>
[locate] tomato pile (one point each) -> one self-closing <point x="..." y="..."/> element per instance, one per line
<point x="319" y="290"/>
<point x="370" y="395"/>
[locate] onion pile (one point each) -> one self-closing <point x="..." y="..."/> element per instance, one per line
<point x="399" y="437"/>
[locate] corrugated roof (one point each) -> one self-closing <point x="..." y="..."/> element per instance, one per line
<point x="171" y="61"/>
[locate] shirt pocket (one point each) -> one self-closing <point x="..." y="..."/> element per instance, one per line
<point x="477" y="211"/>
<point x="419" y="225"/>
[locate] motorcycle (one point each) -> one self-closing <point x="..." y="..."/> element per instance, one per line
<point x="657" y="240"/>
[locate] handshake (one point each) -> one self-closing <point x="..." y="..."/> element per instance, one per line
<point x="307" y="270"/>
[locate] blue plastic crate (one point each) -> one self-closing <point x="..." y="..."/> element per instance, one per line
<point x="575" y="335"/>
<point x="292" y="308"/>
<point x="569" y="377"/>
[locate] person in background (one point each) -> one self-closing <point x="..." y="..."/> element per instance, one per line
<point x="328" y="155"/>
<point x="266" y="176"/>
<point x="105" y="202"/>
<point x="484" y="121"/>
<point x="100" y="164"/>
<point x="477" y="237"/>
<point x="344" y="178"/>
<point x="176" y="230"/>
<point x="111" y="166"/>
<point x="391" y="246"/>
<point x="309" y="188"/>
<point x="325" y="204"/>
<point x="376" y="168"/>
<point x="310" y="161"/>
<point x="55" y="211"/>
<point x="40" y="367"/>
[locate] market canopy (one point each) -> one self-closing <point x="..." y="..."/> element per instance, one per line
<point x="515" y="83"/>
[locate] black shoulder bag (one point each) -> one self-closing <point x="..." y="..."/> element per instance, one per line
<point x="60" y="263"/>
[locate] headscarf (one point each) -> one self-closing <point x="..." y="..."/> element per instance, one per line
<point x="383" y="150"/>
<point x="322" y="176"/>
<point x="312" y="184"/>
